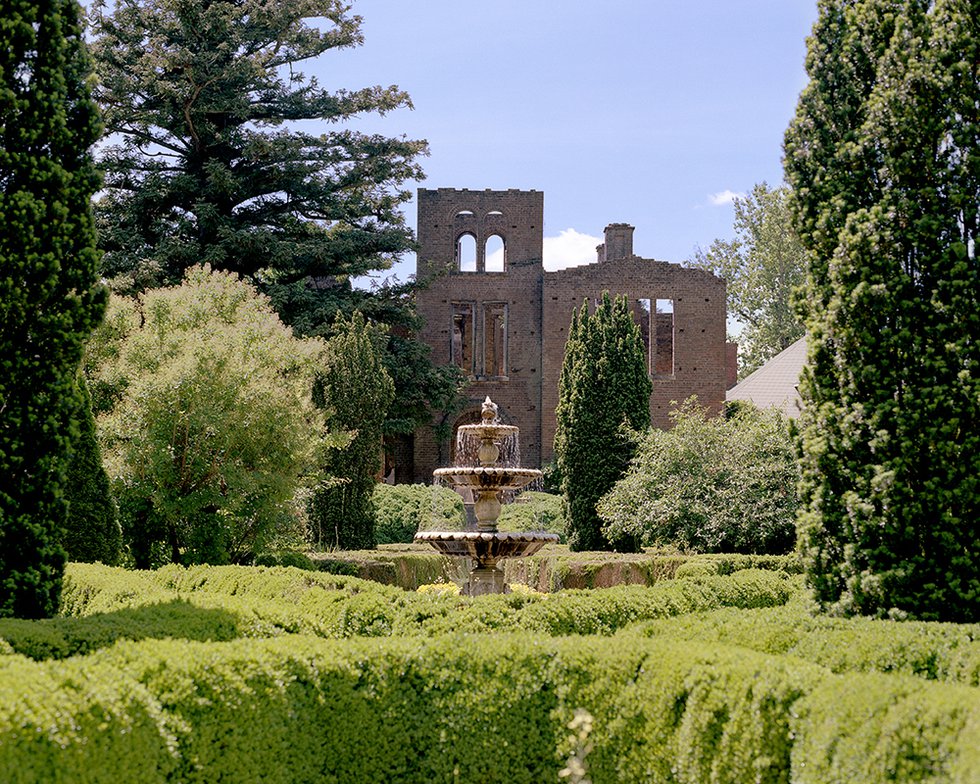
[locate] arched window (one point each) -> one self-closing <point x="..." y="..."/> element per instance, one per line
<point x="464" y="214"/>
<point x="493" y="213"/>
<point x="466" y="253"/>
<point x="494" y="256"/>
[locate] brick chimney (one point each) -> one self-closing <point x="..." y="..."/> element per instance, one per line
<point x="619" y="242"/>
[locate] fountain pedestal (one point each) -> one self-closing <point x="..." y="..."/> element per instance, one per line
<point x="486" y="545"/>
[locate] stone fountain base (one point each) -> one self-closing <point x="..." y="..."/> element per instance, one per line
<point x="486" y="549"/>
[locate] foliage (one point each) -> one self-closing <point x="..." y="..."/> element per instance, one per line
<point x="534" y="511"/>
<point x="296" y="707"/>
<point x="210" y="165"/>
<point x="92" y="530"/>
<point x="763" y="266"/>
<point x="883" y="159"/>
<point x="603" y="388"/>
<point x="214" y="429"/>
<point x="354" y="384"/>
<point x="403" y="510"/>
<point x="710" y="484"/>
<point x="50" y="299"/>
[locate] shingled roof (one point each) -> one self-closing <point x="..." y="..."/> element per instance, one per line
<point x="775" y="383"/>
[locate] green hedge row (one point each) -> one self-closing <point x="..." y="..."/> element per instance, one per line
<point x="473" y="709"/>
<point x="222" y="603"/>
<point x="936" y="651"/>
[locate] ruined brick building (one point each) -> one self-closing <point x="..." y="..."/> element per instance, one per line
<point x="492" y="309"/>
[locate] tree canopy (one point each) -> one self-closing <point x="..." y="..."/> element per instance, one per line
<point x="763" y="265"/>
<point x="353" y="384"/>
<point x="222" y="151"/>
<point x="208" y="162"/>
<point x="50" y="297"/>
<point x="884" y="161"/>
<point x="208" y="426"/>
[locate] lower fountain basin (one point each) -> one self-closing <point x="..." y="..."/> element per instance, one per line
<point x="487" y="547"/>
<point x="488" y="478"/>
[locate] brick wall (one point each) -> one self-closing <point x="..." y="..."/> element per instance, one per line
<point x="538" y="311"/>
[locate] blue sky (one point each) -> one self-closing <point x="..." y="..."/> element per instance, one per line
<point x="639" y="111"/>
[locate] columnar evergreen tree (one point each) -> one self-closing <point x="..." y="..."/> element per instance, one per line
<point x="763" y="266"/>
<point x="603" y="387"/>
<point x="92" y="532"/>
<point x="884" y="160"/>
<point x="49" y="297"/>
<point x="357" y="391"/>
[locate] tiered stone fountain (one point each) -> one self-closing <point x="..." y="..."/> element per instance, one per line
<point x="485" y="545"/>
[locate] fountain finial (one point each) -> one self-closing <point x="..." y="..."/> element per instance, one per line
<point x="489" y="412"/>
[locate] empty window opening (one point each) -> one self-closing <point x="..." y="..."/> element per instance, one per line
<point x="641" y="315"/>
<point x="494" y="258"/>
<point x="666" y="328"/>
<point x="495" y="339"/>
<point x="461" y="345"/>
<point x="466" y="253"/>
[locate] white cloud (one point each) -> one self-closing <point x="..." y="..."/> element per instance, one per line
<point x="569" y="249"/>
<point x="724" y="197"/>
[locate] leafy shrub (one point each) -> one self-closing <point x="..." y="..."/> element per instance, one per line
<point x="288" y="558"/>
<point x="403" y="510"/>
<point x="534" y="511"/>
<point x="214" y="427"/>
<point x="716" y="485"/>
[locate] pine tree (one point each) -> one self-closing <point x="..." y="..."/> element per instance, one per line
<point x="49" y="297"/>
<point x="357" y="391"/>
<point x="92" y="531"/>
<point x="216" y="163"/>
<point x="884" y="160"/>
<point x="603" y="386"/>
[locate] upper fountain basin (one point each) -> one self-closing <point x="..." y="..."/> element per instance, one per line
<point x="494" y="431"/>
<point x="488" y="477"/>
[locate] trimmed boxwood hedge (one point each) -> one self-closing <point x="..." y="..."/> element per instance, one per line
<point x="222" y="603"/>
<point x="472" y="708"/>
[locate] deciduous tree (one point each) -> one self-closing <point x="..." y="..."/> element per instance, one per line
<point x="213" y="430"/>
<point x="884" y="161"/>
<point x="763" y="265"/>
<point x="50" y="298"/>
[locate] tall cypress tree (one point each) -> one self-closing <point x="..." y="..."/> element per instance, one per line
<point x="49" y="297"/>
<point x="357" y="390"/>
<point x="884" y="160"/>
<point x="92" y="531"/>
<point x="603" y="386"/>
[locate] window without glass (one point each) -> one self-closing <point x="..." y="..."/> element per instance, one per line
<point x="493" y="260"/>
<point x="461" y="348"/>
<point x="641" y="315"/>
<point x="495" y="339"/>
<point x="466" y="253"/>
<point x="665" y="332"/>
